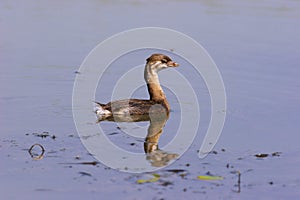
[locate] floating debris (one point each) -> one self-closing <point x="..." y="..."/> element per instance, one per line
<point x="238" y="185"/>
<point x="113" y="133"/>
<point x="81" y="163"/>
<point x="175" y="170"/>
<point x="213" y="152"/>
<point x="210" y="178"/>
<point x="264" y="155"/>
<point x="155" y="178"/>
<point x="33" y="154"/>
<point x="77" y="158"/>
<point x="85" y="174"/>
<point x="43" y="135"/>
<point x="89" y="163"/>
<point x="276" y="154"/>
<point x="261" y="155"/>
<point x="166" y="183"/>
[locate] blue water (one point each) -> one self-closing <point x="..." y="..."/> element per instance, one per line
<point x="254" y="44"/>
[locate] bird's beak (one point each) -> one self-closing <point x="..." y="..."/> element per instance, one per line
<point x="172" y="64"/>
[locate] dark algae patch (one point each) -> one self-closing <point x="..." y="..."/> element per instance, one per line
<point x="44" y="134"/>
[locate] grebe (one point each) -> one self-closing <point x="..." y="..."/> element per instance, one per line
<point x="139" y="107"/>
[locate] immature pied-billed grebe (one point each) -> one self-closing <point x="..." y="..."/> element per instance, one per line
<point x="132" y="107"/>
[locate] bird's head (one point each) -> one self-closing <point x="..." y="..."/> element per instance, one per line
<point x="157" y="62"/>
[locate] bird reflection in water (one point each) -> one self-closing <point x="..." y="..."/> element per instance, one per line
<point x="156" y="109"/>
<point x="157" y="117"/>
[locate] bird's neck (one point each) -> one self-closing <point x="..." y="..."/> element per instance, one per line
<point x="154" y="88"/>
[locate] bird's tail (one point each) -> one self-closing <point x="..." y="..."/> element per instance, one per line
<point x="100" y="110"/>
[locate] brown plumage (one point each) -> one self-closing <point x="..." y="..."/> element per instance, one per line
<point x="141" y="108"/>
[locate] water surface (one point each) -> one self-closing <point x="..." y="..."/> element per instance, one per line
<point x="254" y="44"/>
